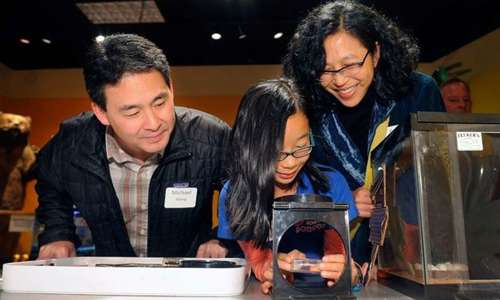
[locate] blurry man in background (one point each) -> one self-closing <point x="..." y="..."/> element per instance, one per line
<point x="456" y="96"/>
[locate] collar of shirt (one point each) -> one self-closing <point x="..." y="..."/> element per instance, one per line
<point x="305" y="186"/>
<point x="116" y="154"/>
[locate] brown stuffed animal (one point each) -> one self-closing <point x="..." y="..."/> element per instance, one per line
<point x="16" y="159"/>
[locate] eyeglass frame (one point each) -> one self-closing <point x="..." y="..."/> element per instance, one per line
<point x="342" y="70"/>
<point x="292" y="153"/>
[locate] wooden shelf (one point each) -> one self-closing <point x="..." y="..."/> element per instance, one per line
<point x="14" y="212"/>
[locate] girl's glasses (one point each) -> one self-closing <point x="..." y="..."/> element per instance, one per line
<point x="301" y="152"/>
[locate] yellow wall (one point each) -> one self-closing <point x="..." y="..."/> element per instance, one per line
<point x="485" y="89"/>
<point x="482" y="58"/>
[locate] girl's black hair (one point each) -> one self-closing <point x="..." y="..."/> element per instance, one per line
<point x="256" y="140"/>
<point x="305" y="59"/>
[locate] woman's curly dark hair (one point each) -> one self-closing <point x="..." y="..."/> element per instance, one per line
<point x="305" y="59"/>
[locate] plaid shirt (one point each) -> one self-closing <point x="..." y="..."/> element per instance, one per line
<point x="131" y="183"/>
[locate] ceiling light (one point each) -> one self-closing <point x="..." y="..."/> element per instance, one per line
<point x="24" y="41"/>
<point x="99" y="38"/>
<point x="122" y="12"/>
<point x="46" y="41"/>
<point x="278" y="35"/>
<point x="216" y="36"/>
<point x="241" y="35"/>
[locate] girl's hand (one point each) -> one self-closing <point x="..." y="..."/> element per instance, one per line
<point x="285" y="265"/>
<point x="267" y="278"/>
<point x="332" y="267"/>
<point x="266" y="286"/>
<point x="285" y="260"/>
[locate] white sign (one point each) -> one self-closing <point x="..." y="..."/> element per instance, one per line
<point x="469" y="141"/>
<point x="21" y="223"/>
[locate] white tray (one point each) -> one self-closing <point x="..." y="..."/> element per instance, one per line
<point x="80" y="275"/>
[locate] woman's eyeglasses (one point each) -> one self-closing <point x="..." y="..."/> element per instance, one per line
<point x="346" y="71"/>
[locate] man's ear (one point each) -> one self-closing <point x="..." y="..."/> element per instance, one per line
<point x="100" y="114"/>
<point x="171" y="88"/>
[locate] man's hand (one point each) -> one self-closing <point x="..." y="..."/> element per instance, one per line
<point x="364" y="202"/>
<point x="211" y="249"/>
<point x="59" y="249"/>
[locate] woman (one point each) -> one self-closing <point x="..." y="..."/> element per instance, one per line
<point x="357" y="71"/>
<point x="270" y="151"/>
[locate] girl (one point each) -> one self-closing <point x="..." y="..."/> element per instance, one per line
<point x="270" y="149"/>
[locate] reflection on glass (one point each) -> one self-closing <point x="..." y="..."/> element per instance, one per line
<point x="480" y="183"/>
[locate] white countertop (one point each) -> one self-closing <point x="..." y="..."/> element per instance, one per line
<point x="252" y="292"/>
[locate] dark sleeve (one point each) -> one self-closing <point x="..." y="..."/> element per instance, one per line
<point x="221" y="175"/>
<point x="424" y="96"/>
<point x="218" y="131"/>
<point x="224" y="234"/>
<point x="428" y="97"/>
<point x="55" y="208"/>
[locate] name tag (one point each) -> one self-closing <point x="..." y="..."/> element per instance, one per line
<point x="176" y="197"/>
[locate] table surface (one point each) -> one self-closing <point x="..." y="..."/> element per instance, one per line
<point x="374" y="290"/>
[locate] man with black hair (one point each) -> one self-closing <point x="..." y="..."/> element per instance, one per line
<point x="141" y="172"/>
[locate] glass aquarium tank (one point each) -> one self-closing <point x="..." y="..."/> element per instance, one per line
<point x="441" y="187"/>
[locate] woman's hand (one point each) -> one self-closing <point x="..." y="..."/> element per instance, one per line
<point x="364" y="203"/>
<point x="372" y="273"/>
<point x="362" y="274"/>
